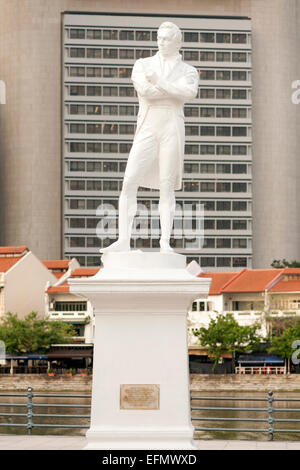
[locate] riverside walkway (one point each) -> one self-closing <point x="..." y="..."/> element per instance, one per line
<point x="25" y="442"/>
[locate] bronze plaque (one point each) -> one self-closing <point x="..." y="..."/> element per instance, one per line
<point x="139" y="397"/>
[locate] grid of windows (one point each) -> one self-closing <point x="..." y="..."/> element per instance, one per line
<point x="100" y="109"/>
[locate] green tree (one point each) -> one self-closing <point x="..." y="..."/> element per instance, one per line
<point x="279" y="264"/>
<point x="33" y="334"/>
<point x="282" y="344"/>
<point x="224" y="334"/>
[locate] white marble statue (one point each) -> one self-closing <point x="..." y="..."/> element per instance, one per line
<point x="163" y="83"/>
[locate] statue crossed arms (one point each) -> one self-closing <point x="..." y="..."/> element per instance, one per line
<point x="163" y="84"/>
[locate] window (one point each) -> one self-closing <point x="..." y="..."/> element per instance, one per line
<point x="209" y="224"/>
<point x="223" y="150"/>
<point x="207" y="130"/>
<point x="223" y="94"/>
<point x="191" y="111"/>
<point x="126" y="53"/>
<point x="207" y="37"/>
<point x="207" y="149"/>
<point x="77" y="109"/>
<point x="207" y="112"/>
<point x="127" y="111"/>
<point x="239" y="225"/>
<point x="208" y="205"/>
<point x="77" y="72"/>
<point x="126" y="35"/>
<point x="223" y="112"/>
<point x="207" y="74"/>
<point x="207" y="261"/>
<point x="207" y="186"/>
<point x="93" y="109"/>
<point x="239" y="187"/>
<point x="94" y="34"/>
<point x="239" y="262"/>
<point x="110" y="34"/>
<point x="207" y="56"/>
<point x="223" y="168"/>
<point x="110" y="166"/>
<point x="223" y="75"/>
<point x="77" y="242"/>
<point x="223" y="262"/>
<point x="126" y="91"/>
<point x="93" y="53"/>
<point x="93" y="147"/>
<point x="223" y="56"/>
<point x="207" y="93"/>
<point x="191" y="55"/>
<point x="192" y="130"/>
<point x="223" y="224"/>
<point x="239" y="243"/>
<point x="77" y="128"/>
<point x="191" y="149"/>
<point x="207" y="168"/>
<point x="190" y="186"/>
<point x="110" y="186"/>
<point x="77" y="90"/>
<point x="223" y="205"/>
<point x="239" y="75"/>
<point x="142" y="35"/>
<point x="239" y="94"/>
<point x="93" y="90"/>
<point x="77" y="223"/>
<point x="77" y="204"/>
<point x="110" y="72"/>
<point x="77" y="33"/>
<point x="239" y="205"/>
<point x="223" y="187"/>
<point x="93" y="128"/>
<point x="239" y="38"/>
<point x="77" y="147"/>
<point x="191" y="168"/>
<point x="110" y="147"/>
<point x="94" y="166"/>
<point x="223" y="37"/>
<point x="93" y="185"/>
<point x="239" y="131"/>
<point x="223" y="131"/>
<point x="239" y="112"/>
<point x="239" y="57"/>
<point x="190" y="37"/>
<point x="111" y="128"/>
<point x="77" y="185"/>
<point x="223" y="243"/>
<point x="239" y="150"/>
<point x="209" y="243"/>
<point x="239" y="168"/>
<point x="77" y="52"/>
<point x="77" y="166"/>
<point x="126" y="128"/>
<point x="142" y="53"/>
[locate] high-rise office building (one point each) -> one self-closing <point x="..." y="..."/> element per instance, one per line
<point x="68" y="123"/>
<point x="100" y="109"/>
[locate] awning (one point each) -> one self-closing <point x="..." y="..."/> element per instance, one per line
<point x="70" y="353"/>
<point x="260" y="360"/>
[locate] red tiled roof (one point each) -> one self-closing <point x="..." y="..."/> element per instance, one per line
<point x="7" y="262"/>
<point x="59" y="289"/>
<point x="12" y="250"/>
<point x="286" y="286"/>
<point x="253" y="280"/>
<point x="79" y="272"/>
<point x="219" y="280"/>
<point x="291" y="270"/>
<point x="57" y="264"/>
<point x="84" y="272"/>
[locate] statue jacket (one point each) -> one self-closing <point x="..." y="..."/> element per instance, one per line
<point x="178" y="86"/>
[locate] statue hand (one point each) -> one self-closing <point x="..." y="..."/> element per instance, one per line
<point x="152" y="77"/>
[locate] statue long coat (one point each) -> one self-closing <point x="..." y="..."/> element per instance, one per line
<point x="178" y="86"/>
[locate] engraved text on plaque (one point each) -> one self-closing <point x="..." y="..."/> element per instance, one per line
<point x="139" y="397"/>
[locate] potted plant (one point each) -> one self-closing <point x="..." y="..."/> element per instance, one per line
<point x="51" y="372"/>
<point x="84" y="372"/>
<point x="70" y="372"/>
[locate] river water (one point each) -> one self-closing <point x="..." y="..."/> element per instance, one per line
<point x="237" y="412"/>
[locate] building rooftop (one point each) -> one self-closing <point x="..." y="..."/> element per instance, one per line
<point x="13" y="251"/>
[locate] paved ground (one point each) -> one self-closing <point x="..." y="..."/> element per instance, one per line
<point x="8" y="442"/>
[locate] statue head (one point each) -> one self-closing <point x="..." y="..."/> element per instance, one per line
<point x="168" y="39"/>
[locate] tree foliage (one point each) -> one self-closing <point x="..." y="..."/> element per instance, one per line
<point x="279" y="264"/>
<point x="33" y="334"/>
<point x="224" y="334"/>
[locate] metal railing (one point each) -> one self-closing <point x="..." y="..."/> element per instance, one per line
<point x="270" y="410"/>
<point x="30" y="414"/>
<point x="30" y="405"/>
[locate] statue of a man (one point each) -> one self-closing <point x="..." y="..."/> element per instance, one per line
<point x="163" y="83"/>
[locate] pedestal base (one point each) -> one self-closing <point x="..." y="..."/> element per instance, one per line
<point x="140" y="396"/>
<point x="144" y="439"/>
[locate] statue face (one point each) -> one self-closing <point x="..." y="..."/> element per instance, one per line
<point x="167" y="45"/>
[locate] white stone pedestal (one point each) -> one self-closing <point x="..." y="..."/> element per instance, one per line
<point x="140" y="303"/>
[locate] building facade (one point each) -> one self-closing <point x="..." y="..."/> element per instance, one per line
<point x="40" y="175"/>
